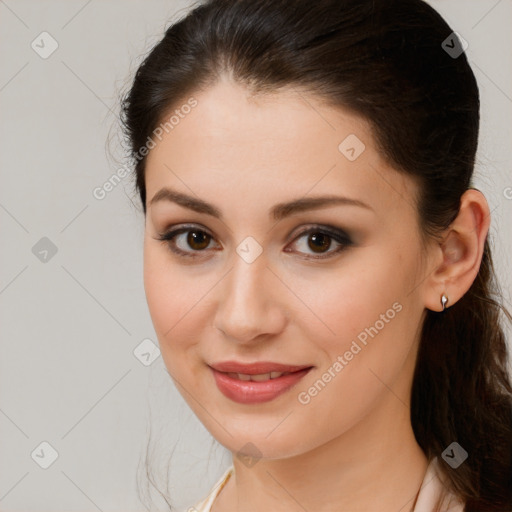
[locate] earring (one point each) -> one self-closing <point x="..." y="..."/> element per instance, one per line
<point x="444" y="301"/>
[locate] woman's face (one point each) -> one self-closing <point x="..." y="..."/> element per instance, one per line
<point x="335" y="287"/>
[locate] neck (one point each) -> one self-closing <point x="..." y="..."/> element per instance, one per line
<point x="376" y="465"/>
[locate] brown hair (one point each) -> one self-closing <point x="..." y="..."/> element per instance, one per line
<point x="385" y="60"/>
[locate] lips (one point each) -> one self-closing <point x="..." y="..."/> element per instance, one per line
<point x="256" y="382"/>
<point x="256" y="368"/>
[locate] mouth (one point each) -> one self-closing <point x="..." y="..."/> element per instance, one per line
<point x="259" y="382"/>
<point x="259" y="377"/>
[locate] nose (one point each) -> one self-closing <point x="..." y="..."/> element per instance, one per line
<point x="249" y="308"/>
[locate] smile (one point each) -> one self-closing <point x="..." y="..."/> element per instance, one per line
<point x="256" y="388"/>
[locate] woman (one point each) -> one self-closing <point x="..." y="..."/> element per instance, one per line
<point x="316" y="260"/>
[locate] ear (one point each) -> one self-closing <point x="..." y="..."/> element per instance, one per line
<point x="460" y="253"/>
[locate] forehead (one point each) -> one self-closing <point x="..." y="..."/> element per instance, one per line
<point x="271" y="146"/>
<point x="229" y="120"/>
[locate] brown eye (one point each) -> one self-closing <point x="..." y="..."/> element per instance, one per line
<point x="323" y="241"/>
<point x="187" y="241"/>
<point x="319" y="242"/>
<point x="198" y="240"/>
<point x="191" y="242"/>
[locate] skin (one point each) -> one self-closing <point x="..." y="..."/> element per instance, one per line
<point x="244" y="154"/>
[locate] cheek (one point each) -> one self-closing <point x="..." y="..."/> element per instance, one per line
<point x="167" y="294"/>
<point x="161" y="303"/>
<point x="363" y="315"/>
<point x="342" y="302"/>
<point x="177" y="297"/>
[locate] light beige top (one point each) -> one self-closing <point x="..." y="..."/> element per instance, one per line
<point x="429" y="499"/>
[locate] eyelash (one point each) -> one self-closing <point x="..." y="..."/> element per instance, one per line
<point x="337" y="235"/>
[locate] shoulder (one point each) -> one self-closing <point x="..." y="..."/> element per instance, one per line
<point x="206" y="503"/>
<point x="434" y="496"/>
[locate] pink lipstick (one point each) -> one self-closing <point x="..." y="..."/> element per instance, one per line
<point x="256" y="382"/>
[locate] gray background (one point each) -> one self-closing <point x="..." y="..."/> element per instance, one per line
<point x="70" y="321"/>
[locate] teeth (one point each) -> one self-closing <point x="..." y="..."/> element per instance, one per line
<point x="260" y="377"/>
<point x="257" y="378"/>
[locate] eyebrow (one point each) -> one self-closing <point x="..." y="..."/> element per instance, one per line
<point x="278" y="212"/>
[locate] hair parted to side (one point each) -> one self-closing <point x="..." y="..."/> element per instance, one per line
<point x="383" y="60"/>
